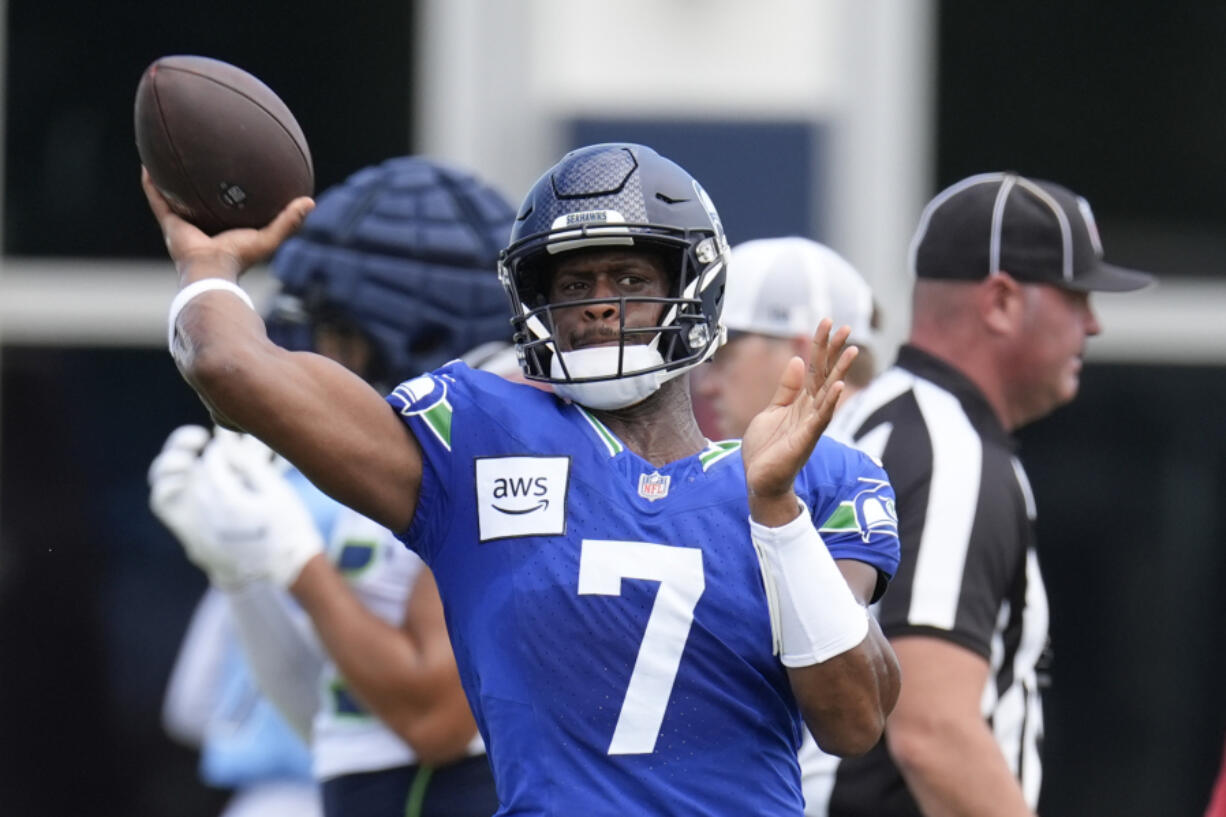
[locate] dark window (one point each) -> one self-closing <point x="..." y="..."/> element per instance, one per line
<point x="72" y="186"/>
<point x="1122" y="103"/>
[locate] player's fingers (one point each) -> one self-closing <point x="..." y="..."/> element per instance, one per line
<point x="180" y="235"/>
<point x="247" y="462"/>
<point x="180" y="452"/>
<point x="226" y="437"/>
<point x="175" y="461"/>
<point x="839" y="370"/>
<point x="224" y="448"/>
<point x="825" y="351"/>
<point x="818" y="352"/>
<point x="290" y="218"/>
<point x="791" y="382"/>
<point x="223" y="459"/>
<point x="829" y="396"/>
<point x="164" y="490"/>
<point x="223" y="478"/>
<point x="157" y="202"/>
<point x="835" y="347"/>
<point x="254" y="246"/>
<point x="825" y="408"/>
<point x="287" y="222"/>
<point x="189" y="437"/>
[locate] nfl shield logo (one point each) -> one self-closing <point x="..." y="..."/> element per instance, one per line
<point x="653" y="486"/>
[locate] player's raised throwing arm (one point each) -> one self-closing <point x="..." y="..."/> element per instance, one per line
<point x="841" y="668"/>
<point x="325" y="420"/>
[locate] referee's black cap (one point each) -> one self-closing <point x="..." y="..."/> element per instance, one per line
<point x="1034" y="230"/>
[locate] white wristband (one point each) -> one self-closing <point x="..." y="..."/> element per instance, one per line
<point x="191" y="291"/>
<point x="814" y="615"/>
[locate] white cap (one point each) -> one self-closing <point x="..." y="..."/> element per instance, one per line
<point x="784" y="287"/>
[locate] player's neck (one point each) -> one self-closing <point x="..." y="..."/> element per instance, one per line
<point x="661" y="429"/>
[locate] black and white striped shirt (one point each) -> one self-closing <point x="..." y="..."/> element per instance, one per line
<point x="969" y="573"/>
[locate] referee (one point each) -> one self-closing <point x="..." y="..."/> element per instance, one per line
<point x="1001" y="314"/>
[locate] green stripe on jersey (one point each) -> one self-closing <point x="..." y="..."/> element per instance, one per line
<point x="417" y="791"/>
<point x="438" y="418"/>
<point x="843" y="519"/>
<point x="717" y="451"/>
<point x="611" y="442"/>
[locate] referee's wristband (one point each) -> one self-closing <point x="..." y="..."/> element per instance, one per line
<point x="814" y="615"/>
<point x="191" y="291"/>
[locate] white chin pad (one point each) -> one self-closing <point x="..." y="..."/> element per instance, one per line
<point x="601" y="361"/>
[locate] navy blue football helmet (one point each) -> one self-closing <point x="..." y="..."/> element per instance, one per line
<point x="617" y="195"/>
<point x="406" y="253"/>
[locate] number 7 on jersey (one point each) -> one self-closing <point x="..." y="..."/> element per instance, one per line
<point x="603" y="564"/>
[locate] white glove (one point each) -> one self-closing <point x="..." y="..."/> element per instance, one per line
<point x="232" y="509"/>
<point x="169" y="475"/>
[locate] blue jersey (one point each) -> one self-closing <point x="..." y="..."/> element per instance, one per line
<point x="608" y="616"/>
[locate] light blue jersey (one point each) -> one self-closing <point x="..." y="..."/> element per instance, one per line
<point x="246" y="741"/>
<point x="608" y="616"/>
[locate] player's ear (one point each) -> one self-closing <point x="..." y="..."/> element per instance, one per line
<point x="1001" y="303"/>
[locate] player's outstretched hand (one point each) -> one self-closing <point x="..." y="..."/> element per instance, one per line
<point x="227" y="501"/>
<point x="170" y="475"/>
<point x="781" y="437"/>
<point x="237" y="249"/>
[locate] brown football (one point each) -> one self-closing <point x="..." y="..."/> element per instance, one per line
<point x="222" y="148"/>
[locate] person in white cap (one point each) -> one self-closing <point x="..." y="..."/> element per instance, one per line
<point x="782" y="288"/>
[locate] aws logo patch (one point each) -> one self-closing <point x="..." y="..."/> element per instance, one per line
<point x="521" y="496"/>
<point x="510" y="490"/>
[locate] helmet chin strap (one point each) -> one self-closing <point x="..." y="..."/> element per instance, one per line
<point x="601" y="361"/>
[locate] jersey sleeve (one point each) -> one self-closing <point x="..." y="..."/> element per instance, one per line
<point x="428" y="406"/>
<point x="852" y="503"/>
